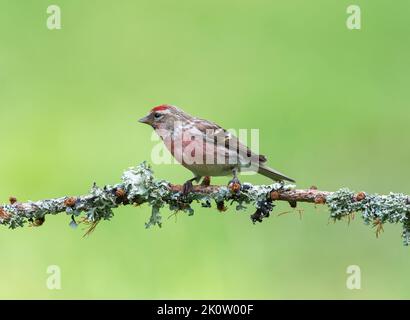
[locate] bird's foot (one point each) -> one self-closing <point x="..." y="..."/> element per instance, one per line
<point x="206" y="181"/>
<point x="187" y="187"/>
<point x="235" y="185"/>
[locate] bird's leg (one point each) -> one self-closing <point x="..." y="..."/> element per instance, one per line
<point x="187" y="187"/>
<point x="235" y="185"/>
<point x="206" y="181"/>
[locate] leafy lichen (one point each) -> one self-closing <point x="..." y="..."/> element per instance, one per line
<point x="374" y="208"/>
<point x="139" y="186"/>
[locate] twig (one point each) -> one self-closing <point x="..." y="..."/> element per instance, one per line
<point x="138" y="186"/>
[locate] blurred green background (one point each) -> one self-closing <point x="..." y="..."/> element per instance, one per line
<point x="331" y="105"/>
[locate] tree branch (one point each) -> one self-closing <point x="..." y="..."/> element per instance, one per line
<point x="138" y="186"/>
<point x="298" y="195"/>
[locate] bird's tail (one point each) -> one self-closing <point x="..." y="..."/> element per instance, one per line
<point x="273" y="174"/>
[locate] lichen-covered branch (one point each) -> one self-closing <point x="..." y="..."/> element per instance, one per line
<point x="138" y="186"/>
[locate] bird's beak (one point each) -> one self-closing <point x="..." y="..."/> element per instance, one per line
<point x="145" y="120"/>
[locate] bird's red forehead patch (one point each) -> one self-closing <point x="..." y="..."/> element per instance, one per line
<point x="160" y="108"/>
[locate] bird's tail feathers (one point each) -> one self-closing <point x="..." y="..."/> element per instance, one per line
<point x="273" y="174"/>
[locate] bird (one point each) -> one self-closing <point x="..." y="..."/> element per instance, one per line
<point x="205" y="148"/>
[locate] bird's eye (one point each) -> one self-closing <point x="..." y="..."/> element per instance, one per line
<point x="157" y="115"/>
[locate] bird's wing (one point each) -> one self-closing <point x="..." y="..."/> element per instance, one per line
<point x="215" y="134"/>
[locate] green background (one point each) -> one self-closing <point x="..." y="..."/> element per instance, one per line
<point x="331" y="105"/>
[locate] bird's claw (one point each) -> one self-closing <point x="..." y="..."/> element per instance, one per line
<point x="187" y="187"/>
<point x="235" y="185"/>
<point x="206" y="181"/>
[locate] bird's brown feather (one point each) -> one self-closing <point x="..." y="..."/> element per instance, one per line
<point x="212" y="131"/>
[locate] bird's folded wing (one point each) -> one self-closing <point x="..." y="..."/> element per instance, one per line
<point x="217" y="135"/>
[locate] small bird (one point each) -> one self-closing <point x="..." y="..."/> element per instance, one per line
<point x="205" y="148"/>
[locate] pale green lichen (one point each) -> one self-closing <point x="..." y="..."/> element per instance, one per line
<point x="374" y="208"/>
<point x="139" y="186"/>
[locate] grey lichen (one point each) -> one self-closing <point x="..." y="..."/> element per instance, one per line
<point x="375" y="209"/>
<point x="139" y="186"/>
<point x="341" y="203"/>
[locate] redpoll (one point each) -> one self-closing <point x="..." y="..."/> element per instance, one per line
<point x="205" y="148"/>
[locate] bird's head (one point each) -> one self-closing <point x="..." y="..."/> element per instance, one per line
<point x="163" y="117"/>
